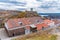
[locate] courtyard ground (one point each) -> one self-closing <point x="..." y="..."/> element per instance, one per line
<point x="3" y="34"/>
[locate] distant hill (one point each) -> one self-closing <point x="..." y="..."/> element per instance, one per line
<point x="25" y="14"/>
<point x="7" y="14"/>
<point x="51" y="15"/>
<point x="4" y="13"/>
<point x="18" y="14"/>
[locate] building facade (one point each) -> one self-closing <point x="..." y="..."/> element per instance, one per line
<point x="22" y="26"/>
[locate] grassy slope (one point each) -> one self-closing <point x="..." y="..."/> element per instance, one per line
<point x="38" y="36"/>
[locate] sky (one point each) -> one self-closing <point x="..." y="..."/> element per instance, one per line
<point x="41" y="6"/>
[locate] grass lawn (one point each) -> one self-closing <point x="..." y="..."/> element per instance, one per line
<point x="43" y="37"/>
<point x="38" y="36"/>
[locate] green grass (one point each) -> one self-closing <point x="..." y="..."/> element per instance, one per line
<point x="43" y="36"/>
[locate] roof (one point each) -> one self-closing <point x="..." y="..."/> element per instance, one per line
<point x="56" y="21"/>
<point x="24" y="22"/>
<point x="40" y="25"/>
<point x="47" y="21"/>
<point x="14" y="23"/>
<point x="33" y="26"/>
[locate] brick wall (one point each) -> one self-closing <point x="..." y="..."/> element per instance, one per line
<point x="16" y="32"/>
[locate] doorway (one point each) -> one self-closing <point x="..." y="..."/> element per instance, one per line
<point x="33" y="29"/>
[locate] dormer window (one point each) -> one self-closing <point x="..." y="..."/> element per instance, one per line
<point x="20" y="23"/>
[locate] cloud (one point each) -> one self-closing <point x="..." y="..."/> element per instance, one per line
<point x="48" y="5"/>
<point x="9" y="6"/>
<point x="52" y="6"/>
<point x="41" y="6"/>
<point x="12" y="5"/>
<point x="17" y="4"/>
<point x="14" y="2"/>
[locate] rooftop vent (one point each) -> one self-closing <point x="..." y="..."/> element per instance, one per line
<point x="33" y="26"/>
<point x="20" y="23"/>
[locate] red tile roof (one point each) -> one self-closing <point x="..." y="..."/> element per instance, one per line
<point x="13" y="23"/>
<point x="47" y="21"/>
<point x="56" y="21"/>
<point x="44" y="25"/>
<point x="39" y="26"/>
<point x="28" y="27"/>
<point x="9" y="24"/>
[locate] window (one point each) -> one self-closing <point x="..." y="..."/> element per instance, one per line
<point x="13" y="34"/>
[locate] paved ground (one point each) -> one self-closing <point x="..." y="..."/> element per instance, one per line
<point x="58" y="38"/>
<point x="3" y="34"/>
<point x="57" y="32"/>
<point x="58" y="35"/>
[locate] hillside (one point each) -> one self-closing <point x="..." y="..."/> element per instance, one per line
<point x="7" y="14"/>
<point x="42" y="35"/>
<point x="25" y="14"/>
<point x="4" y="14"/>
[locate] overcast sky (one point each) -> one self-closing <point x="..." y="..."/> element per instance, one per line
<point x="41" y="6"/>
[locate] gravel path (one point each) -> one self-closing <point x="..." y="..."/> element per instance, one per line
<point x="58" y="35"/>
<point x="4" y="36"/>
<point x="58" y="38"/>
